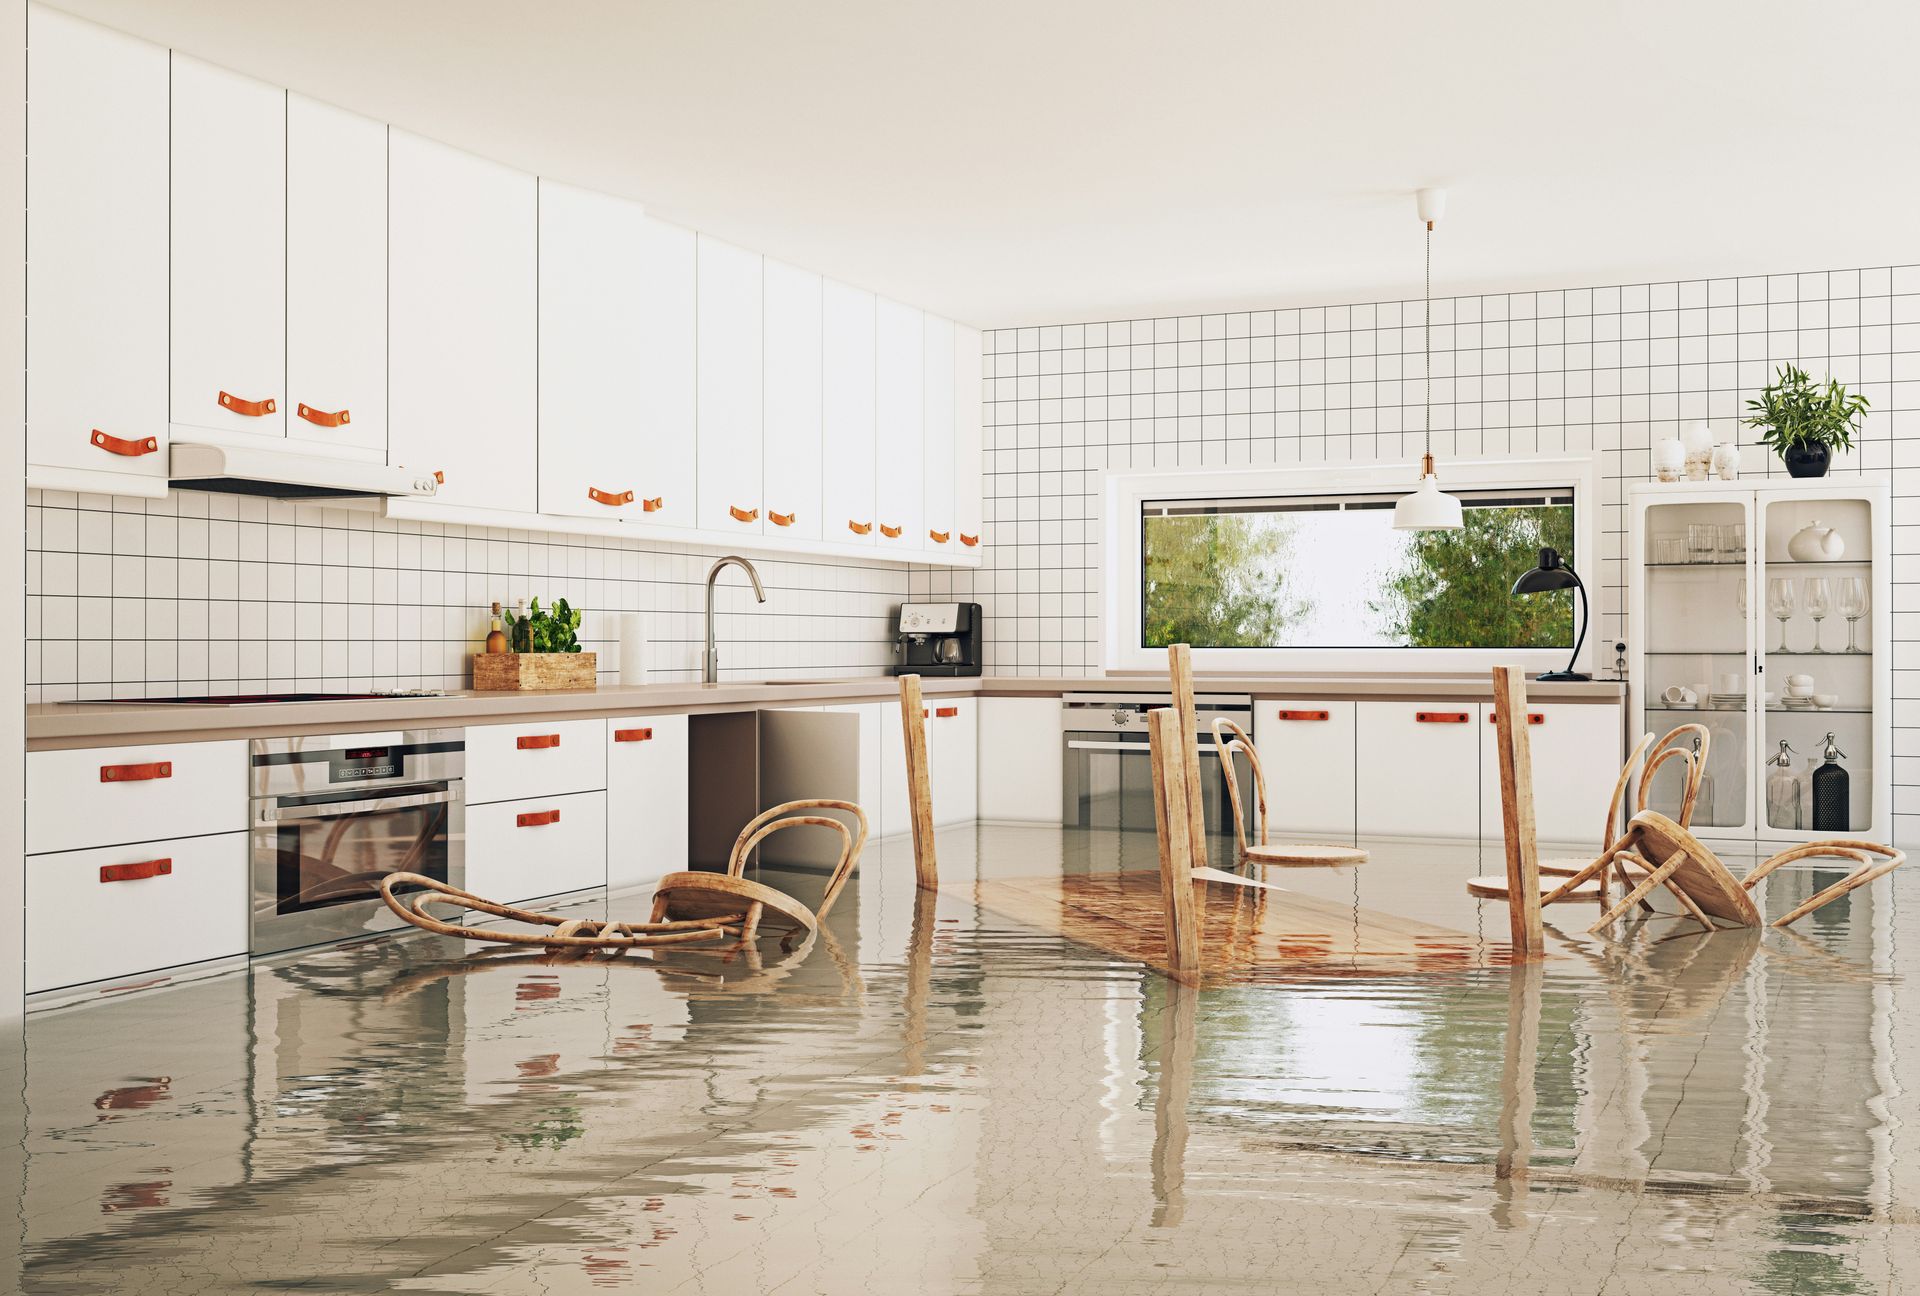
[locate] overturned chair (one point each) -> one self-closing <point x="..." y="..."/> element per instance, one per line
<point x="689" y="908"/>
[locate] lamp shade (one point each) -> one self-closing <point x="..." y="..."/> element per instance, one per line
<point x="1428" y="509"/>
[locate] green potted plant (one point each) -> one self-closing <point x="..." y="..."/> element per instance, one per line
<point x="1802" y="421"/>
<point x="542" y="652"/>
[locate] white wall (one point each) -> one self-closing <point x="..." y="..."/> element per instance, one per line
<point x="13" y="412"/>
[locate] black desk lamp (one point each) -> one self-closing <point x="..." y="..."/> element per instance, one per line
<point x="1552" y="574"/>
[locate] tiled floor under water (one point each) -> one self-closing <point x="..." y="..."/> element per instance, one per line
<point x="944" y="1098"/>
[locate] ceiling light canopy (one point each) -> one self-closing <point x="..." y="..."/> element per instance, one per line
<point x="1429" y="508"/>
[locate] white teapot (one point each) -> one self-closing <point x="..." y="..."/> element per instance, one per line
<point x="1816" y="542"/>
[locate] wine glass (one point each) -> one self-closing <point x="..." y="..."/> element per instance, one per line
<point x="1740" y="597"/>
<point x="1782" y="602"/>
<point x="1819" y="600"/>
<point x="1852" y="604"/>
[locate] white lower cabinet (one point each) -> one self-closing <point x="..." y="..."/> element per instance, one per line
<point x="1576" y="759"/>
<point x="115" y="911"/>
<point x="952" y="764"/>
<point x="544" y="758"/>
<point x="539" y="846"/>
<point x="1019" y="768"/>
<point x="646" y="798"/>
<point x="1417" y="772"/>
<point x="102" y="796"/>
<point x="1307" y="752"/>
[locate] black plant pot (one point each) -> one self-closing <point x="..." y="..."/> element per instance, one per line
<point x="1807" y="461"/>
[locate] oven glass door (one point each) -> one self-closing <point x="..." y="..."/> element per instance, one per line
<point x="1109" y="783"/>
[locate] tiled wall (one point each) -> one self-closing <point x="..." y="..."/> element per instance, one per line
<point x="200" y="593"/>
<point x="1607" y="369"/>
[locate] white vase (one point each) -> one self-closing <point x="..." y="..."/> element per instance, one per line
<point x="1726" y="461"/>
<point x="1698" y="442"/>
<point x="1669" y="460"/>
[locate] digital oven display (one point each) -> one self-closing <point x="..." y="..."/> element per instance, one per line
<point x="358" y="763"/>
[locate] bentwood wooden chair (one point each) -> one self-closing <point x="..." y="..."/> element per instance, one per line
<point x="1494" y="886"/>
<point x="1229" y="738"/>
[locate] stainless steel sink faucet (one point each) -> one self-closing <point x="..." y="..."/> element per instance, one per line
<point x="710" y="662"/>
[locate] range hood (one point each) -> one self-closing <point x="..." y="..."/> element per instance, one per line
<point x="280" y="474"/>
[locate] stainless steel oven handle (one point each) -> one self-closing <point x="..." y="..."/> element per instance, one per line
<point x="1142" y="749"/>
<point x="341" y="809"/>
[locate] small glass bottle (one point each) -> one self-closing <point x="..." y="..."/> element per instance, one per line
<point x="1832" y="810"/>
<point x="1703" y="800"/>
<point x="1785" y="801"/>
<point x="496" y="637"/>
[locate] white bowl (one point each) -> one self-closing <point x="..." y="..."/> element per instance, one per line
<point x="1825" y="700"/>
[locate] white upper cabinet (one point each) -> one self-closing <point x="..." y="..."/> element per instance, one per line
<point x="229" y="252"/>
<point x="336" y="394"/>
<point x="937" y="535"/>
<point x="96" y="258"/>
<point x="900" y="418"/>
<point x="727" y="360"/>
<point x="592" y="278"/>
<point x="663" y="374"/>
<point x="846" y="405"/>
<point x="969" y="461"/>
<point x="791" y="444"/>
<point x="463" y="265"/>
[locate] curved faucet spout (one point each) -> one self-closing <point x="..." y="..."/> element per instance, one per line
<point x="710" y="662"/>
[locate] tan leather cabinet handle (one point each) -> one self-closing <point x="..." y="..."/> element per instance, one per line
<point x="859" y="528"/>
<point x="252" y="409"/>
<point x="653" y="505"/>
<point x="939" y="537"/>
<point x="536" y="742"/>
<point x="946" y="713"/>
<point x="969" y="541"/>
<point x="1533" y="718"/>
<point x="890" y="532"/>
<point x="610" y="498"/>
<point x="121" y="446"/>
<point x="136" y="773"/>
<point x="134" y="872"/>
<point x="633" y="735"/>
<point x="321" y="418"/>
<point x="1304" y="715"/>
<point x="536" y="819"/>
<point x="743" y="515"/>
<point x="780" y="519"/>
<point x="1440" y="717"/>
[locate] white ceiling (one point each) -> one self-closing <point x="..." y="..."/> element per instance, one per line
<point x="1026" y="161"/>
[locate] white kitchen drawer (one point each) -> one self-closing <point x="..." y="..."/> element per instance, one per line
<point x="537" y="846"/>
<point x="1020" y="769"/>
<point x="647" y="798"/>
<point x="544" y="759"/>
<point x="1307" y="752"/>
<point x="953" y="759"/>
<point x="102" y="796"/>
<point x="176" y="902"/>
<point x="1576" y="758"/>
<point x="1417" y="769"/>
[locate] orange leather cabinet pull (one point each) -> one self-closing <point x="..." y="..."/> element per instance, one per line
<point x="939" y="537"/>
<point x="252" y="409"/>
<point x="653" y="505"/>
<point x="780" y="519"/>
<point x="536" y="742"/>
<point x="599" y="496"/>
<point x="946" y="711"/>
<point x="1304" y="715"/>
<point x="320" y="418"/>
<point x="1533" y="718"/>
<point x="891" y="533"/>
<point x="439" y="476"/>
<point x="859" y="528"/>
<point x="134" y="872"/>
<point x="121" y="446"/>
<point x="136" y="773"/>
<point x="1440" y="717"/>
<point x="633" y="735"/>
<point x="743" y="515"/>
<point x="536" y="819"/>
<point x="969" y="541"/>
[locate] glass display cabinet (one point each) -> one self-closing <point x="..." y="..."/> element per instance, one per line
<point x="1762" y="610"/>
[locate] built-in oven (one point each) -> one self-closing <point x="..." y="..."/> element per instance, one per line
<point x="1109" y="766"/>
<point x="334" y="814"/>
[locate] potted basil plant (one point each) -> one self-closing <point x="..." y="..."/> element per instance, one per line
<point x="1802" y="420"/>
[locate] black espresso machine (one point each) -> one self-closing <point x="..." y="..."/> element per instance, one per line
<point x="937" y="639"/>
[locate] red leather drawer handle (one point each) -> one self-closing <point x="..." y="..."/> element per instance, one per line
<point x="1533" y="718"/>
<point x="743" y="515"/>
<point x="780" y="519"/>
<point x="969" y="541"/>
<point x="653" y="505"/>
<point x="536" y="819"/>
<point x="890" y="532"/>
<point x="1305" y="715"/>
<point x="251" y="409"/>
<point x="136" y="773"/>
<point x="612" y="499"/>
<point x="859" y="528"/>
<point x="121" y="446"/>
<point x="946" y="712"/>
<point x="939" y="537"/>
<point x="633" y="735"/>
<point x="134" y="872"/>
<point x="321" y="418"/>
<point x="536" y="742"/>
<point x="1440" y="717"/>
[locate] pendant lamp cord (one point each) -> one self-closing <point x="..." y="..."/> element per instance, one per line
<point x="1426" y="343"/>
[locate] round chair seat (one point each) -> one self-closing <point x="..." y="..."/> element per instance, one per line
<point x="713" y="895"/>
<point x="1494" y="887"/>
<point x="1305" y="855"/>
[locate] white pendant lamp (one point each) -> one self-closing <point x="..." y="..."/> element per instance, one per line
<point x="1428" y="508"/>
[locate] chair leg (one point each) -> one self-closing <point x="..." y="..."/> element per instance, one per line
<point x="1639" y="893"/>
<point x="751" y="926"/>
<point x="1852" y="882"/>
<point x="1597" y="867"/>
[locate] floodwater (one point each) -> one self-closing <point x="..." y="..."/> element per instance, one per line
<point x="938" y="1097"/>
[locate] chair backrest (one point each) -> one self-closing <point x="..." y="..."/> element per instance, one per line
<point x="1225" y="746"/>
<point x="790" y="815"/>
<point x="1668" y="748"/>
<point x="1618" y="801"/>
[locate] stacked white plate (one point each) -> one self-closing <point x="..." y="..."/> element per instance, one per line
<point x="1727" y="701"/>
<point x="1793" y="703"/>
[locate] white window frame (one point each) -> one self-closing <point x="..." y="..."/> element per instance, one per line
<point x="1122" y="493"/>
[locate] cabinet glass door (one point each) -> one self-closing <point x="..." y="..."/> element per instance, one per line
<point x="1697" y="619"/>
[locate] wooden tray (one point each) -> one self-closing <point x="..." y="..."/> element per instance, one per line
<point x="499" y="671"/>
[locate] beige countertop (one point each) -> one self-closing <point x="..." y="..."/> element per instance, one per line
<point x="52" y="725"/>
